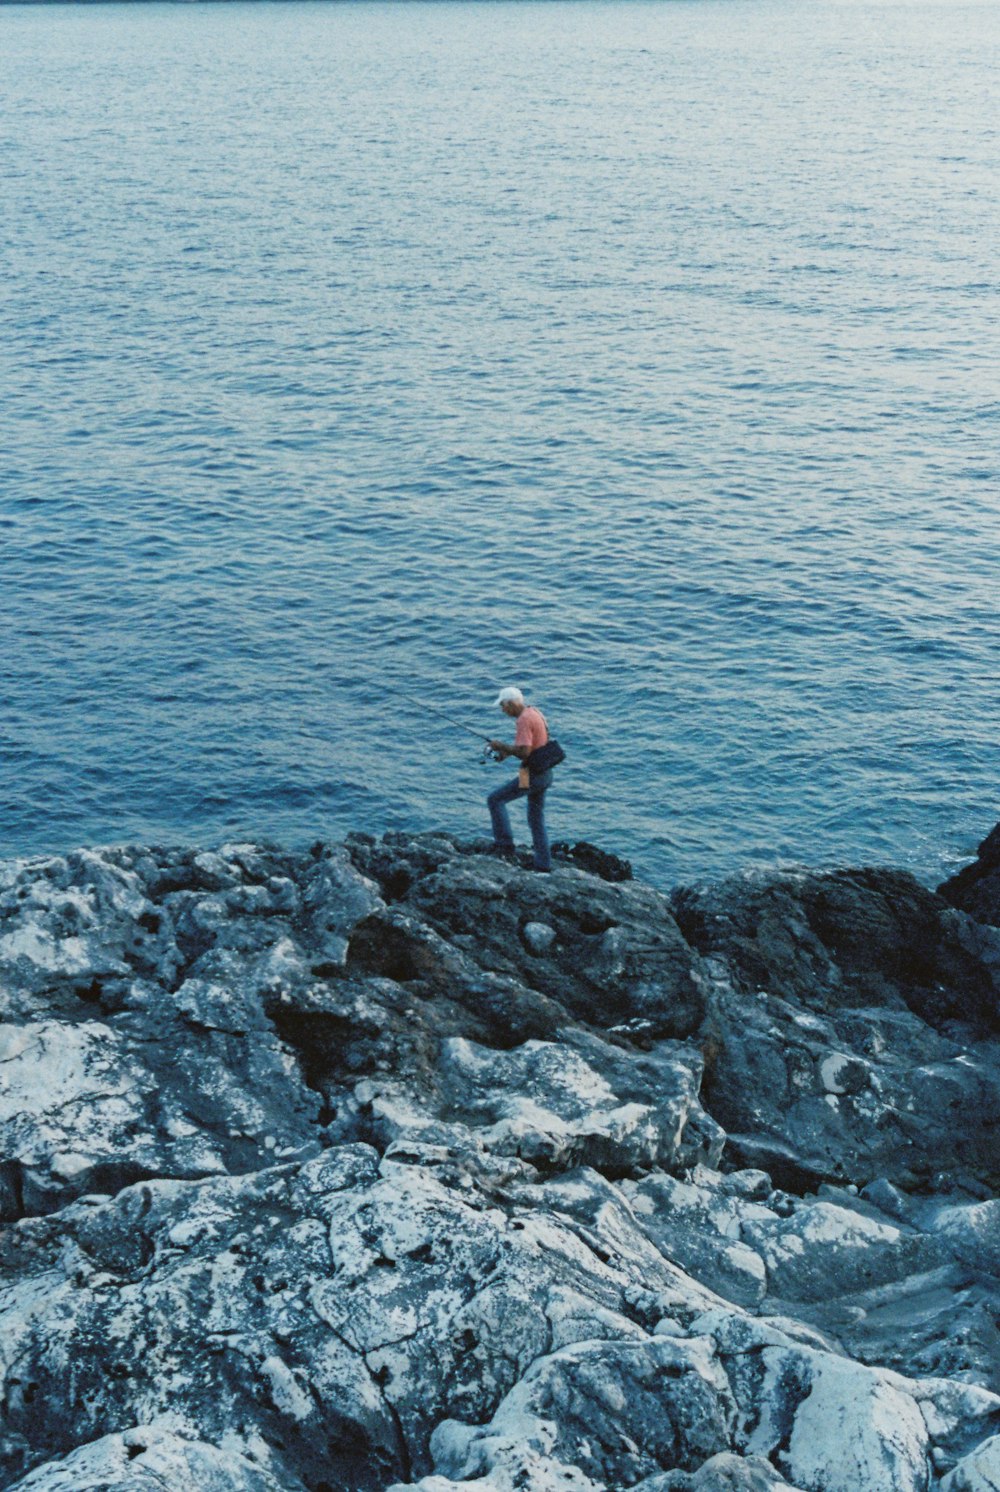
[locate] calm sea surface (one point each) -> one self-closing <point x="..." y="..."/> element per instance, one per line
<point x="642" y="354"/>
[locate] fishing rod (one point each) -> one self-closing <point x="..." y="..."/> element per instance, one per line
<point x="488" y="753"/>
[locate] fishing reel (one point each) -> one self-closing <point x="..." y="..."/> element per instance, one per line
<point x="489" y="754"/>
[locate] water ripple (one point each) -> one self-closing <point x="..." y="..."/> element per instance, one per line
<point x="359" y="351"/>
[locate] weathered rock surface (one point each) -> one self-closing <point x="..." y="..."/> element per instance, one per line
<point x="856" y="1020"/>
<point x="850" y="939"/>
<point x="147" y="1459"/>
<point x="394" y="1165"/>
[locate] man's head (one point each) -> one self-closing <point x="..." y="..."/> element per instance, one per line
<point x="510" y="700"/>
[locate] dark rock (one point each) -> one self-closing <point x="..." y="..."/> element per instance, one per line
<point x="842" y="939"/>
<point x="850" y="1096"/>
<point x="976" y="888"/>
<point x="595" y="861"/>
<point x="617" y="960"/>
<point x="849" y="1027"/>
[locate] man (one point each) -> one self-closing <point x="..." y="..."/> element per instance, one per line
<point x="531" y="733"/>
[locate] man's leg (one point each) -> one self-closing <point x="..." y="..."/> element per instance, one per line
<point x="503" y="836"/>
<point x="536" y="823"/>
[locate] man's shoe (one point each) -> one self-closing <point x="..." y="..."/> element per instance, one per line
<point x="502" y="851"/>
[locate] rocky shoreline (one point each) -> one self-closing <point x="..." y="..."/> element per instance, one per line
<point x="393" y="1165"/>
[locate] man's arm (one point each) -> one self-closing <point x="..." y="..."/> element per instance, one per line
<point x="503" y="749"/>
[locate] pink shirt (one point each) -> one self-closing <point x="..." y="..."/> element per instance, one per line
<point x="531" y="728"/>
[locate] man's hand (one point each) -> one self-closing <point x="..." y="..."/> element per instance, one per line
<point x="503" y="751"/>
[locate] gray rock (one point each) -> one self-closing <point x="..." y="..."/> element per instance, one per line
<point x="938" y="1323"/>
<point x="722" y="1473"/>
<point x="701" y="1229"/>
<point x="149" y="1459"/>
<point x="391" y="1164"/>
<point x="334" y="897"/>
<point x="971" y="1231"/>
<point x="825" y="1251"/>
<point x="616" y="1411"/>
<point x="824" y="1421"/>
<point x="68" y="926"/>
<point x="597" y="861"/>
<point x="73" y="1116"/>
<point x="978" y="1472"/>
<point x="579" y="1102"/>
<point x="340" y="1311"/>
<point x="538" y="936"/>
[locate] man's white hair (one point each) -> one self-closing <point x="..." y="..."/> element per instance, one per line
<point x="509" y="696"/>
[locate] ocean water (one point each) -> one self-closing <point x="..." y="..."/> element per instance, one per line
<point x="642" y="354"/>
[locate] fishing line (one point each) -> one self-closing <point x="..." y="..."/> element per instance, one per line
<point x="488" y="753"/>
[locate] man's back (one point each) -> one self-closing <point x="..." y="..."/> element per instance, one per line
<point x="531" y="729"/>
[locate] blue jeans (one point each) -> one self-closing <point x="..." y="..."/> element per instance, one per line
<point x="535" y="795"/>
